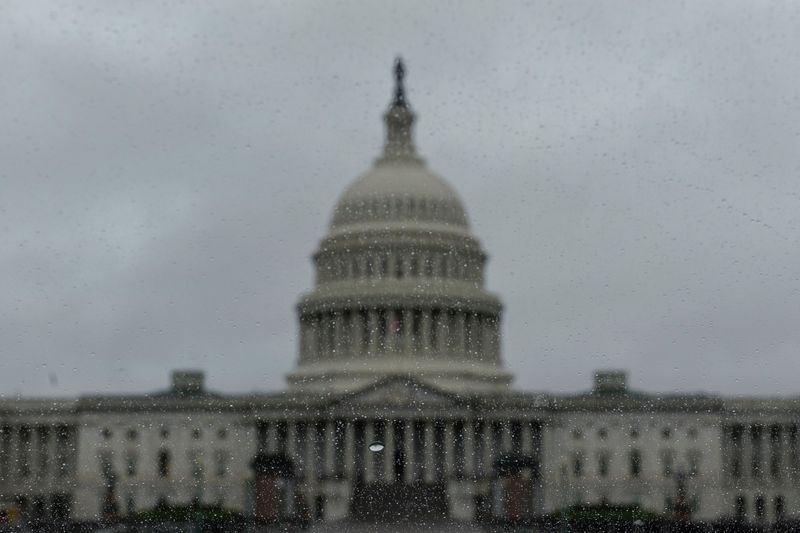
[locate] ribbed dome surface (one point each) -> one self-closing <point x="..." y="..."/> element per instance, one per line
<point x="399" y="190"/>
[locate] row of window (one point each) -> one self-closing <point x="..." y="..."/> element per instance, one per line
<point x="398" y="265"/>
<point x="132" y="435"/>
<point x="635" y="463"/>
<point x="163" y="463"/>
<point x="760" y="508"/>
<point x="419" y="209"/>
<point x="666" y="433"/>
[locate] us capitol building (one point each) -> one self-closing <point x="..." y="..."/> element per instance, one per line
<point x="400" y="402"/>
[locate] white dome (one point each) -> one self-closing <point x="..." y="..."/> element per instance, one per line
<point x="399" y="190"/>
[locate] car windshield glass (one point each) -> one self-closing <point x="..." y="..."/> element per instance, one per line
<point x="454" y="266"/>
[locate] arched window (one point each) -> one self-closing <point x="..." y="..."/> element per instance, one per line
<point x="163" y="463"/>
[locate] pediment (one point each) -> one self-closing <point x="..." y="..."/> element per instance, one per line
<point x="400" y="392"/>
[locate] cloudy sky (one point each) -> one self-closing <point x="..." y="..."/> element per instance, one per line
<point x="167" y="169"/>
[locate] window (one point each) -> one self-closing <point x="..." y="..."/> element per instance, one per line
<point x="667" y="460"/>
<point x="693" y="462"/>
<point x="105" y="463"/>
<point x="780" y="508"/>
<point x="602" y="433"/>
<point x="760" y="508"/>
<point x="635" y="460"/>
<point x="666" y="433"/>
<point x="221" y="462"/>
<point x="132" y="435"/>
<point x="222" y="433"/>
<point x="106" y="433"/>
<point x="577" y="464"/>
<point x="163" y="463"/>
<point x="741" y="508"/>
<point x="130" y="464"/>
<point x="603" y="460"/>
<point x="196" y="433"/>
<point x="196" y="463"/>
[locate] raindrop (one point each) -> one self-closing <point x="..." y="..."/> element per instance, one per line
<point x="376" y="447"/>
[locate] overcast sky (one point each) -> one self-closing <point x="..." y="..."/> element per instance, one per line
<point x="631" y="168"/>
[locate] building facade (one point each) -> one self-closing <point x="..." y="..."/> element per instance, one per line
<point x="400" y="395"/>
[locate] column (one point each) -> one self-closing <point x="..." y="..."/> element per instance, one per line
<point x="488" y="447"/>
<point x="459" y="346"/>
<point x="477" y="335"/>
<point x="486" y="338"/>
<point x="425" y="333"/>
<point x="493" y="330"/>
<point x="13" y="452"/>
<point x="445" y="333"/>
<point x="303" y="338"/>
<point x="357" y="332"/>
<point x="408" y="326"/>
<point x="449" y="448"/>
<point x="310" y="445"/>
<point x="33" y="454"/>
<point x="506" y="436"/>
<point x="747" y="453"/>
<point x="408" y="437"/>
<point x="392" y="337"/>
<point x="369" y="456"/>
<point x="527" y="443"/>
<point x="429" y="470"/>
<point x="786" y="459"/>
<point x="725" y="451"/>
<point x="291" y="440"/>
<point x="349" y="450"/>
<point x="469" y="448"/>
<point x="372" y="317"/>
<point x="337" y="318"/>
<point x="315" y="329"/>
<point x="436" y="331"/>
<point x="272" y="437"/>
<point x="41" y="446"/>
<point x="388" y="451"/>
<point x="329" y="448"/>
<point x="51" y="452"/>
<point x="793" y="444"/>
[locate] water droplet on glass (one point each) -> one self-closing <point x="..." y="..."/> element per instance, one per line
<point x="376" y="447"/>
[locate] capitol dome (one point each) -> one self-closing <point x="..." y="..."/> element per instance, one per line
<point x="399" y="281"/>
<point x="399" y="189"/>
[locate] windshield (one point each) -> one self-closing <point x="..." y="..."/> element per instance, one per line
<point x="338" y="266"/>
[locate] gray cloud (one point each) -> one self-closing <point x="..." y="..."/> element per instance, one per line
<point x="630" y="167"/>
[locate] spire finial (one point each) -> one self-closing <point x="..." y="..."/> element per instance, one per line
<point x="399" y="90"/>
<point x="399" y="121"/>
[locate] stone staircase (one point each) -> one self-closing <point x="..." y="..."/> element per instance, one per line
<point x="393" y="502"/>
